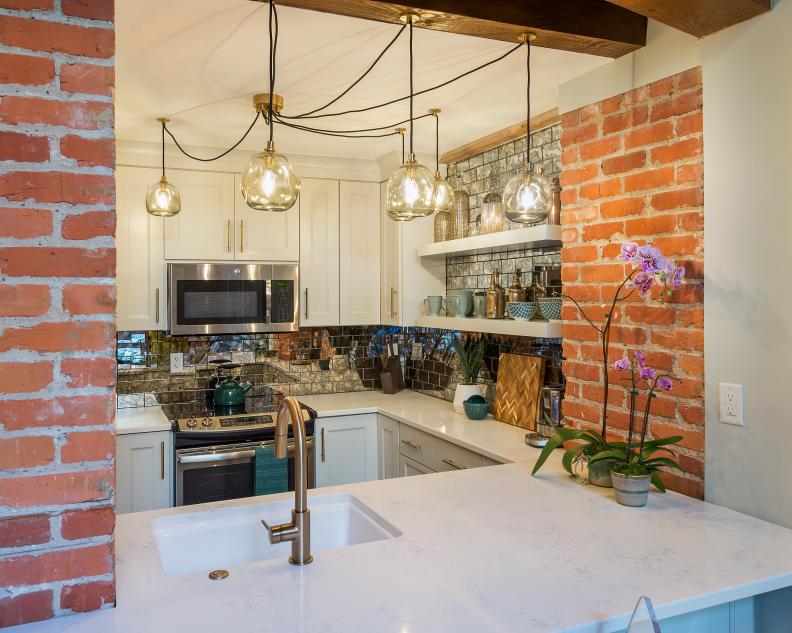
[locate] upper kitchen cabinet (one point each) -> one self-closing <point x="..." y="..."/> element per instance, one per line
<point x="264" y="235"/>
<point x="139" y="253"/>
<point x="407" y="279"/>
<point x="205" y="228"/>
<point x="319" y="252"/>
<point x="360" y="253"/>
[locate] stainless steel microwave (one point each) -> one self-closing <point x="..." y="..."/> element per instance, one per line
<point x="232" y="298"/>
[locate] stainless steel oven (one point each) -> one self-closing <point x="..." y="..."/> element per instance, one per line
<point x="215" y="455"/>
<point x="215" y="473"/>
<point x="232" y="298"/>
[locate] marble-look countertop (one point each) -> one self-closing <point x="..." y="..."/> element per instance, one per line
<point x="487" y="549"/>
<point x="141" y="420"/>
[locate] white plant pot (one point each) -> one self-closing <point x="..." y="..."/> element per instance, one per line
<point x="462" y="393"/>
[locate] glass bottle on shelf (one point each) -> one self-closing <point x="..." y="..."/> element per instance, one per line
<point x="460" y="216"/>
<point x="517" y="290"/>
<point x="496" y="298"/>
<point x="536" y="291"/>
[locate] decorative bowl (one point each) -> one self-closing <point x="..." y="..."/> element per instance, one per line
<point x="550" y="307"/>
<point x="521" y="310"/>
<point x="476" y="407"/>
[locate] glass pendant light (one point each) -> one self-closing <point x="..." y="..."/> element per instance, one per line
<point x="410" y="190"/>
<point x="269" y="182"/>
<point x="528" y="195"/>
<point x="443" y="198"/>
<point x="162" y="198"/>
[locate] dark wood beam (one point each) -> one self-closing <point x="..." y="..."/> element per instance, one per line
<point x="596" y="27"/>
<point x="697" y="17"/>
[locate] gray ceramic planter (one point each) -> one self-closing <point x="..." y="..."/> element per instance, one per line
<point x="631" y="490"/>
<point x="599" y="474"/>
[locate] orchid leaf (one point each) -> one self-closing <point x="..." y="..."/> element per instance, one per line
<point x="608" y="455"/>
<point x="663" y="441"/>
<point x="658" y="483"/>
<point x="552" y="444"/>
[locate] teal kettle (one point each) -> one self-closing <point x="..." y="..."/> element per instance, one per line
<point x="230" y="393"/>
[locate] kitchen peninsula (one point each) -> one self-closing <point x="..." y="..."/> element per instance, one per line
<point x="514" y="549"/>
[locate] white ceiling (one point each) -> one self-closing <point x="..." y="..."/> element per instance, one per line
<point x="200" y="61"/>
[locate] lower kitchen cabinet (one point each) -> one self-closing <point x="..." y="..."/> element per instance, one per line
<point x="409" y="467"/>
<point x="387" y="447"/>
<point x="144" y="471"/>
<point x="347" y="449"/>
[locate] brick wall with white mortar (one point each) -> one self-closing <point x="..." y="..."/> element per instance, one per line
<point x="57" y="308"/>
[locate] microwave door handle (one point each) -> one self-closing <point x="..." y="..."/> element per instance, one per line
<point x="268" y="302"/>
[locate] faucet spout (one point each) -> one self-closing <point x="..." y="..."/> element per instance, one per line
<point x="298" y="531"/>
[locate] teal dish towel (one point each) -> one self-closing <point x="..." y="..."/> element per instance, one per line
<point x="271" y="474"/>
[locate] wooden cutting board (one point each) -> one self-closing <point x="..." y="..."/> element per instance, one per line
<point x="520" y="380"/>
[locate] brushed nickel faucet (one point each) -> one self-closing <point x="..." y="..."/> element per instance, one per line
<point x="299" y="530"/>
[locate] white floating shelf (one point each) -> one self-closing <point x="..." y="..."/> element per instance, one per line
<point x="538" y="329"/>
<point x="529" y="237"/>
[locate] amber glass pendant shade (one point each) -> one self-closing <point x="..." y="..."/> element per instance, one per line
<point x="163" y="199"/>
<point x="410" y="192"/>
<point x="270" y="183"/>
<point x="528" y="197"/>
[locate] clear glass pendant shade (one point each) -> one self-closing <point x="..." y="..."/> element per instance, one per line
<point x="410" y="192"/>
<point x="443" y="199"/>
<point x="163" y="199"/>
<point x="270" y="184"/>
<point x="528" y="197"/>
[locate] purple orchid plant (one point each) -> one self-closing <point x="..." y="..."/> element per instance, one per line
<point x="639" y="458"/>
<point x="650" y="269"/>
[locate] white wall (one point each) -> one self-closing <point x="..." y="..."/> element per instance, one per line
<point x="747" y="261"/>
<point x="748" y="240"/>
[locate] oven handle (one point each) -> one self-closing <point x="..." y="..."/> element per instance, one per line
<point x="199" y="458"/>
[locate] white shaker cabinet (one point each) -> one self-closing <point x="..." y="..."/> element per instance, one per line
<point x="319" y="253"/>
<point x="360" y="253"/>
<point x="205" y="229"/>
<point x="264" y="235"/>
<point x="144" y="471"/>
<point x="345" y="449"/>
<point x="387" y="447"/>
<point x="139" y="253"/>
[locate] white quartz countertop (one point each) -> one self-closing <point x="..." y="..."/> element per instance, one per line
<point x="489" y="549"/>
<point x="141" y="420"/>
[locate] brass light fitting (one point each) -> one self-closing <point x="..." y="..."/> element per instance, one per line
<point x="261" y="102"/>
<point x="434" y="111"/>
<point x="527" y="37"/>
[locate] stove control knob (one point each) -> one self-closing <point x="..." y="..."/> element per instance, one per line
<point x="206" y="422"/>
<point x="192" y="423"/>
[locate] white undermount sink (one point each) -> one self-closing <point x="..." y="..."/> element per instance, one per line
<point x="222" y="538"/>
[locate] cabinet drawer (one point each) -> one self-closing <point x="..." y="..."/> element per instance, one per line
<point x="433" y="452"/>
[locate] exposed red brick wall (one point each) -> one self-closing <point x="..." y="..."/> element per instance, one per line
<point x="633" y="170"/>
<point x="57" y="304"/>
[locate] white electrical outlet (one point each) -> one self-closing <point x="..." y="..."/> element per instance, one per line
<point x="730" y="403"/>
<point x="176" y="362"/>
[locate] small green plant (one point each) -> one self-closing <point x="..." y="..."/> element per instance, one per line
<point x="470" y="356"/>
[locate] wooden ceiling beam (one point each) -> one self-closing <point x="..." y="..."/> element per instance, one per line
<point x="596" y="27"/>
<point x="697" y="17"/>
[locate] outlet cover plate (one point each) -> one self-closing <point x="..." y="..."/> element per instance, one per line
<point x="730" y="403"/>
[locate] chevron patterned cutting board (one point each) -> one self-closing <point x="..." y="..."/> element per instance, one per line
<point x="520" y="380"/>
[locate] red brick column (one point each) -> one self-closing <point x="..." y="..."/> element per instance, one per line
<point x="57" y="308"/>
<point x="633" y="170"/>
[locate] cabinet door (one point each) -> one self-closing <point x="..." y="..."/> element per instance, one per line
<point x="144" y="477"/>
<point x="139" y="253"/>
<point x="347" y="450"/>
<point x="204" y="230"/>
<point x="390" y="266"/>
<point x="387" y="447"/>
<point x="360" y="253"/>
<point x="265" y="235"/>
<point x="409" y="467"/>
<point x="319" y="252"/>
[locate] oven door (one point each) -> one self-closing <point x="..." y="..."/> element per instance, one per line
<point x="217" y="473"/>
<point x="232" y="298"/>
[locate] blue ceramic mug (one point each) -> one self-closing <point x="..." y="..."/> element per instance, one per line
<point x="434" y="304"/>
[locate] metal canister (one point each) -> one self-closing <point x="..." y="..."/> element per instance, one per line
<point x="550" y="410"/>
<point x="496" y="298"/>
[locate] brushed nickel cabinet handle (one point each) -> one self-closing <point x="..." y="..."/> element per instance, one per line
<point x="241" y="236"/>
<point x="162" y="460"/>
<point x="417" y="447"/>
<point x="156" y="306"/>
<point x="452" y="464"/>
<point x="228" y="241"/>
<point x="306" y="306"/>
<point x="323" y="445"/>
